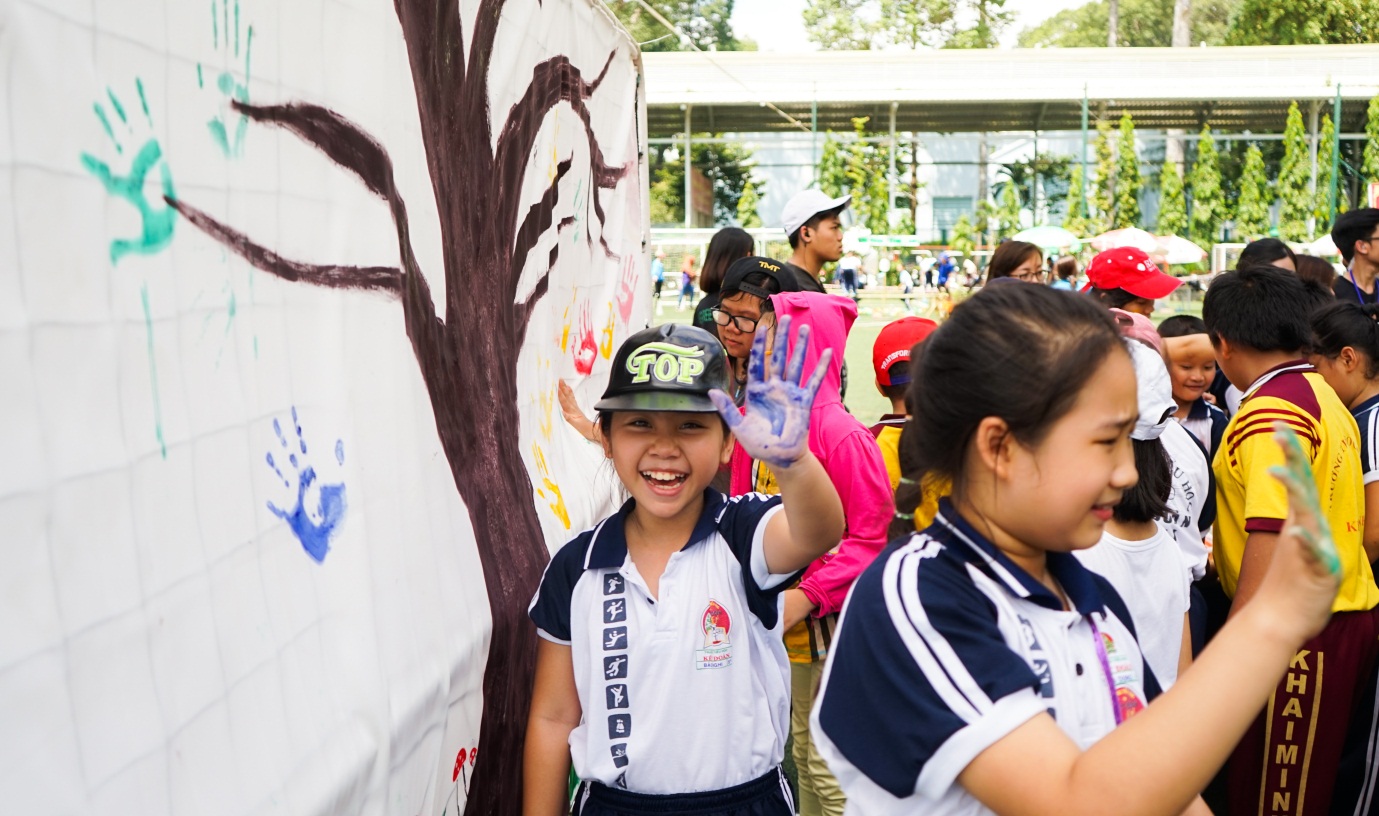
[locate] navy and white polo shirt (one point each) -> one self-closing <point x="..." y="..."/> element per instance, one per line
<point x="1367" y="418"/>
<point x="688" y="691"/>
<point x="945" y="646"/>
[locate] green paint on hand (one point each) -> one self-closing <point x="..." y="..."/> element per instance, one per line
<point x="1305" y="507"/>
<point x="153" y="372"/>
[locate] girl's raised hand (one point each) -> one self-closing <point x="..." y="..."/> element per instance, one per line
<point x="775" y="428"/>
<point x="1306" y="570"/>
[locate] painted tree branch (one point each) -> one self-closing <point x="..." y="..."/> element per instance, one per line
<point x="554" y="81"/>
<point x="349" y="146"/>
<point x="535" y="224"/>
<point x="378" y="278"/>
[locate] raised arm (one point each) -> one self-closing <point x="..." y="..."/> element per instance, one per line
<point x="1177" y="743"/>
<point x="775" y="430"/>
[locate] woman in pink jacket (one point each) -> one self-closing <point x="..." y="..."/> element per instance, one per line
<point x="850" y="455"/>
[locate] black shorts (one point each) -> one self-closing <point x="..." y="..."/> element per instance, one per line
<point x="768" y="795"/>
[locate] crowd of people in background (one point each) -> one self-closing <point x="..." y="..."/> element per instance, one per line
<point x="1109" y="586"/>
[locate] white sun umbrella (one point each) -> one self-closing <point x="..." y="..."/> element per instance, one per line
<point x="1178" y="250"/>
<point x="1127" y="237"/>
<point x="1323" y="247"/>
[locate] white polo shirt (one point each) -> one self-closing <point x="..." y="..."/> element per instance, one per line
<point x="688" y="691"/>
<point x="945" y="646"/>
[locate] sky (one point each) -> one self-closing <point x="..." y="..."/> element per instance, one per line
<point x="777" y="25"/>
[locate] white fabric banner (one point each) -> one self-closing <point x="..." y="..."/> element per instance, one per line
<point x="286" y="290"/>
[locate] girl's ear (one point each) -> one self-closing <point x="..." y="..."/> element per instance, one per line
<point x="1349" y="359"/>
<point x="992" y="444"/>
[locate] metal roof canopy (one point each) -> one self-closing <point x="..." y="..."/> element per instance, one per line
<point x="957" y="91"/>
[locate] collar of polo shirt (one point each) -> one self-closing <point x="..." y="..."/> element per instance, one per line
<point x="609" y="547"/>
<point x="1075" y="579"/>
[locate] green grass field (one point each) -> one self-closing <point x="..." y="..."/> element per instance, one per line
<point x="863" y="400"/>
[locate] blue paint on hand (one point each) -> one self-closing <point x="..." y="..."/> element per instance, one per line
<point x="775" y="427"/>
<point x="313" y="519"/>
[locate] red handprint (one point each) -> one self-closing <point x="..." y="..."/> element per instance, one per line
<point x="627" y="291"/>
<point x="586" y="350"/>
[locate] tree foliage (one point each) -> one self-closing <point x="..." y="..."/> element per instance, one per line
<point x="708" y="23"/>
<point x="1008" y="210"/>
<point x="964" y="234"/>
<point x="1294" y="177"/>
<point x="858" y="168"/>
<point x="1128" y="183"/>
<point x="1141" y="23"/>
<point x="1252" y="208"/>
<point x="867" y="24"/>
<point x="1075" y="221"/>
<point x="728" y="167"/>
<point x="747" y="204"/>
<point x="1369" y="165"/>
<point x="1172" y="202"/>
<point x="1104" y="191"/>
<point x="1304" y="22"/>
<point x="1208" y="203"/>
<point x="1321" y="202"/>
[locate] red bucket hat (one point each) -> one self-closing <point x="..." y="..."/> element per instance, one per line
<point x="1129" y="269"/>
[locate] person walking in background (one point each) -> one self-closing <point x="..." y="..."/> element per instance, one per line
<point x="728" y="244"/>
<point x="814" y="227"/>
<point x="1064" y="273"/>
<point x="848" y="268"/>
<point x="658" y="271"/>
<point x="686" y="282"/>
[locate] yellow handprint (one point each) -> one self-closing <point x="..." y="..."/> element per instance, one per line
<point x="558" y="504"/>
<point x="606" y="341"/>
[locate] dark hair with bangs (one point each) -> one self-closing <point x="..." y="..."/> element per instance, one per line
<point x="1148" y="498"/>
<point x="1021" y="353"/>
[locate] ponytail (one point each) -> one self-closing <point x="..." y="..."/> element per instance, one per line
<point x="1338" y="325"/>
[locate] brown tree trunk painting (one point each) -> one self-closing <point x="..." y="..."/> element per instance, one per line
<point x="467" y="357"/>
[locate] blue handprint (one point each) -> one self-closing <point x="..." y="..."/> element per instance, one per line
<point x="158" y="221"/>
<point x="313" y="528"/>
<point x="231" y="88"/>
<point x="775" y="428"/>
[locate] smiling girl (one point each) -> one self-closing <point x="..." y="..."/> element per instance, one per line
<point x="978" y="667"/>
<point x="661" y="672"/>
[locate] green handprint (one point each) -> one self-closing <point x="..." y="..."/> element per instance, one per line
<point x="157" y="217"/>
<point x="1310" y="523"/>
<point x="232" y="89"/>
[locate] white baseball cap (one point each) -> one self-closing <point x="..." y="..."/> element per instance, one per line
<point x="1155" y="391"/>
<point x="805" y="205"/>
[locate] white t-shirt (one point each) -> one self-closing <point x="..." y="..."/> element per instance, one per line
<point x="1191" y="489"/>
<point x="1148" y="575"/>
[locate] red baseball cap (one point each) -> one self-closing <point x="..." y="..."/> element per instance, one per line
<point x="1130" y="269"/>
<point x="893" y="346"/>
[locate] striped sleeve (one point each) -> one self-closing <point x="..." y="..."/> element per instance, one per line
<point x="1369" y="444"/>
<point x="1252" y="451"/>
<point x="550" y="607"/>
<point x="920" y="679"/>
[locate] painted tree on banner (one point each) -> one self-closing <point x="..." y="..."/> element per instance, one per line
<point x="468" y="354"/>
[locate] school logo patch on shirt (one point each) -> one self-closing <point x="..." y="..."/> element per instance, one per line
<point x="717" y="652"/>
<point x="1124" y="675"/>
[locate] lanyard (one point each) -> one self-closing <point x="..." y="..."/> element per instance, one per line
<point x="1106" y="667"/>
<point x="1359" y="293"/>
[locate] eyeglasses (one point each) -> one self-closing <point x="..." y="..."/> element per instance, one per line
<point x="1037" y="276"/>
<point x="746" y="325"/>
